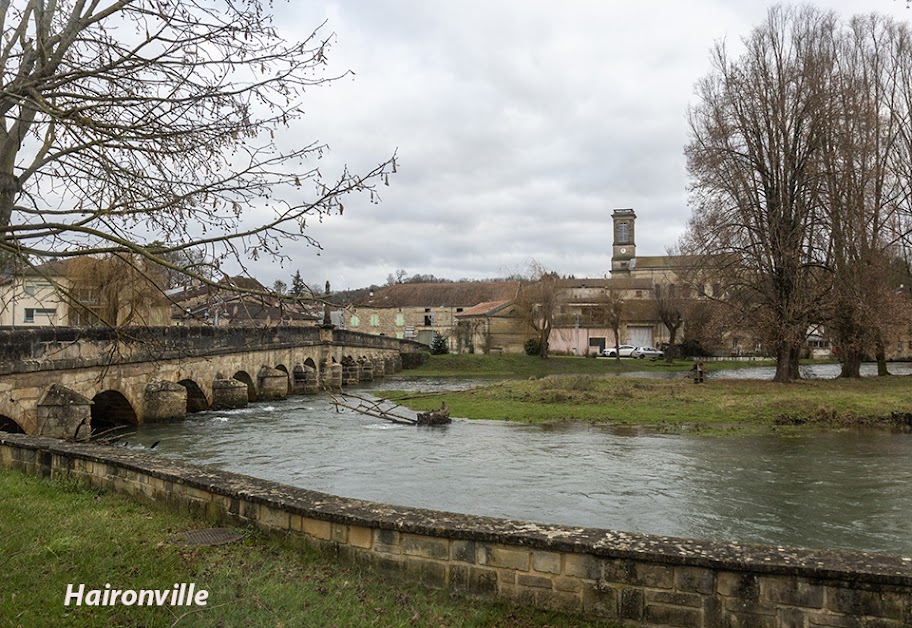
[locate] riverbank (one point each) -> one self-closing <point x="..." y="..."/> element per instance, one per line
<point x="718" y="406"/>
<point x="96" y="538"/>
<point x="471" y="365"/>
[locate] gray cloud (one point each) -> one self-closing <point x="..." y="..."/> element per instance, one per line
<point x="519" y="126"/>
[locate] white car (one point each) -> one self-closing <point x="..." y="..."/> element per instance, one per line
<point x="647" y="352"/>
<point x="624" y="351"/>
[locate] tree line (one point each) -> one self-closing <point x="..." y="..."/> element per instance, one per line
<point x="800" y="162"/>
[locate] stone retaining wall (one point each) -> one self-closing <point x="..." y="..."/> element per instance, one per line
<point x="634" y="578"/>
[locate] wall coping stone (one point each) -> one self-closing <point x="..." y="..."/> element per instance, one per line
<point x="854" y="567"/>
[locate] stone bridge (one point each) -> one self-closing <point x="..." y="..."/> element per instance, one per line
<point x="69" y="382"/>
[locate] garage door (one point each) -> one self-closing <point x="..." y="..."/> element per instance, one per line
<point x="639" y="336"/>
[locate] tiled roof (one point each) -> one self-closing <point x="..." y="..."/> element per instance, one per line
<point x="614" y="283"/>
<point x="449" y="294"/>
<point x="664" y="261"/>
<point x="488" y="307"/>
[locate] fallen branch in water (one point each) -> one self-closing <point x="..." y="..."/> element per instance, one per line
<point x="376" y="408"/>
<point x="370" y="407"/>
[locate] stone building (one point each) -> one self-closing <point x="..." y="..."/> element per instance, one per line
<point x="491" y="327"/>
<point x="419" y="311"/>
<point x="238" y="302"/>
<point x="582" y="324"/>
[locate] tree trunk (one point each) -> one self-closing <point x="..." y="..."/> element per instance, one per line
<point x="9" y="189"/>
<point x="787" y="357"/>
<point x="543" y="341"/>
<point x="881" y="356"/>
<point x="670" y="350"/>
<point x="851" y="363"/>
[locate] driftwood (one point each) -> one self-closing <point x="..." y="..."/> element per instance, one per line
<point x="435" y="417"/>
<point x="387" y="410"/>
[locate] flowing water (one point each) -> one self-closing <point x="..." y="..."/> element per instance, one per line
<point x="849" y="490"/>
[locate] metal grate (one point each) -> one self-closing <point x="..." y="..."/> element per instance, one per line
<point x="207" y="536"/>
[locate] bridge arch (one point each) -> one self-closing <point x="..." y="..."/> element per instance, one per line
<point x="243" y="376"/>
<point x="111" y="409"/>
<point x="289" y="386"/>
<point x="9" y="425"/>
<point x="196" y="398"/>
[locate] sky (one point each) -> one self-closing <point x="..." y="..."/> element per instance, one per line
<point x="518" y="125"/>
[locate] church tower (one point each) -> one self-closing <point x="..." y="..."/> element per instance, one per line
<point x="623" y="248"/>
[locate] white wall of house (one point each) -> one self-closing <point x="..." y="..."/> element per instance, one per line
<point x="580" y="340"/>
<point x="31" y="302"/>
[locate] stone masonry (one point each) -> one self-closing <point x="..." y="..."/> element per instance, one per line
<point x="634" y="579"/>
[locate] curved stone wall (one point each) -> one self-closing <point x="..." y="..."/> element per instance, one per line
<point x="634" y="578"/>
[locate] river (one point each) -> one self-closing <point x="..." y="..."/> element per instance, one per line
<point x="850" y="489"/>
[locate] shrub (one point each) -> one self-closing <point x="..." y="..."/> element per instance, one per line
<point x="439" y="345"/>
<point x="532" y="346"/>
<point x="693" y="349"/>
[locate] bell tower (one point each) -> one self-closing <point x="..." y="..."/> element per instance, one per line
<point x="623" y="248"/>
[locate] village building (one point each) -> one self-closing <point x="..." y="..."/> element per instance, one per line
<point x="420" y="311"/>
<point x="582" y="325"/>
<point x="239" y="302"/>
<point x="83" y="292"/>
<point x="32" y="297"/>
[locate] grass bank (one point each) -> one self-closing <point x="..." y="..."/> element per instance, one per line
<point x="671" y="405"/>
<point x="53" y="534"/>
<point x="525" y="366"/>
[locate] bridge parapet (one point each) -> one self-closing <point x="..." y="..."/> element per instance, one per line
<point x="56" y="348"/>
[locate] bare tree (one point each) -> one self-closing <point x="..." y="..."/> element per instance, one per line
<point x="867" y="170"/>
<point x="115" y="290"/>
<point x="613" y="312"/>
<point x="755" y="135"/>
<point x="538" y="302"/>
<point x="671" y="308"/>
<point x="129" y="121"/>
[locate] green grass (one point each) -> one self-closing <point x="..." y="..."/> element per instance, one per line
<point x="54" y="533"/>
<point x="718" y="405"/>
<point x="524" y="366"/>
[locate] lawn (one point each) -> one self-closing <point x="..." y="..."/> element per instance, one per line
<point x="524" y="366"/>
<point x="679" y="404"/>
<point x="53" y="534"/>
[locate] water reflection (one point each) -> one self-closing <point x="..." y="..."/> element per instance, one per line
<point x="808" y="371"/>
<point x="846" y="490"/>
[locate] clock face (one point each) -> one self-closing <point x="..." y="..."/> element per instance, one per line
<point x="623" y="250"/>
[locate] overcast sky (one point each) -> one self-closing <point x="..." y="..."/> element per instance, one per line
<point x="519" y="126"/>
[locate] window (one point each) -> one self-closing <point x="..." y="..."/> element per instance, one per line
<point x="355" y="321"/>
<point x="33" y="287"/>
<point x="375" y="320"/>
<point x="428" y="317"/>
<point x="31" y="313"/>
<point x="400" y="320"/>
<point x="459" y="310"/>
<point x="623" y="233"/>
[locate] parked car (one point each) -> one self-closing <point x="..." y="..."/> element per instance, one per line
<point x="623" y="350"/>
<point x="647" y="352"/>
